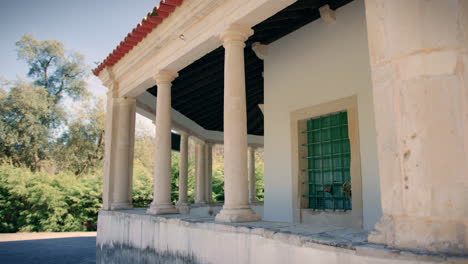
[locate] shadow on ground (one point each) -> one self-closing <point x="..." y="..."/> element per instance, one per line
<point x="72" y="250"/>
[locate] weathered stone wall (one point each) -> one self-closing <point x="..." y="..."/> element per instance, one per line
<point x="136" y="237"/>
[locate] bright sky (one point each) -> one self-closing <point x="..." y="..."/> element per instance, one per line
<point x="91" y="27"/>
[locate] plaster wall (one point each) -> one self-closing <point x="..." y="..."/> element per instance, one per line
<point x="316" y="64"/>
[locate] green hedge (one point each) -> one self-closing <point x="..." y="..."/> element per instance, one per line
<point x="39" y="202"/>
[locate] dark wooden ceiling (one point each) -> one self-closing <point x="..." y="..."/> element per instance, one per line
<point x="198" y="91"/>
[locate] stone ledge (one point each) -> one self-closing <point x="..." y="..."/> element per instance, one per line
<point x="326" y="239"/>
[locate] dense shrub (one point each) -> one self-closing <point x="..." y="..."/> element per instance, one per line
<point x="39" y="202"/>
<point x="43" y="202"/>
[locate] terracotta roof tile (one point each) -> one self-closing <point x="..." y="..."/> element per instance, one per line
<point x="147" y="25"/>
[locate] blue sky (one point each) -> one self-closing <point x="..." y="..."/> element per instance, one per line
<point x="91" y="27"/>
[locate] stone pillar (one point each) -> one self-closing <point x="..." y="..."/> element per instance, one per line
<point x="236" y="206"/>
<point x="109" y="147"/>
<point x="419" y="62"/>
<point x="162" y="203"/>
<point x="123" y="153"/>
<point x="200" y="192"/>
<point x="182" y="203"/>
<point x="209" y="172"/>
<point x="252" y="179"/>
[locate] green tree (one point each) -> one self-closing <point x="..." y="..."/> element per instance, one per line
<point x="30" y="113"/>
<point x="81" y="148"/>
<point x="27" y="115"/>
<point x="59" y="71"/>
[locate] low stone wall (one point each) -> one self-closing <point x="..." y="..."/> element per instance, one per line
<point x="204" y="211"/>
<point x="136" y="237"/>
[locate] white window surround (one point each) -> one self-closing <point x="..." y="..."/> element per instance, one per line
<point x="301" y="212"/>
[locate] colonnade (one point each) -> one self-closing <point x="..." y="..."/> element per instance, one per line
<point x="239" y="163"/>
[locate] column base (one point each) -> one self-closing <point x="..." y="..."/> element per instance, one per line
<point x="183" y="208"/>
<point x="200" y="203"/>
<point x="421" y="233"/>
<point x="237" y="215"/>
<point x="121" y="206"/>
<point x="254" y="202"/>
<point x="159" y="209"/>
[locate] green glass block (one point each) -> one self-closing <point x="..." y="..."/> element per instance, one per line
<point x="336" y="147"/>
<point x="337" y="176"/>
<point x="335" y="119"/>
<point x="325" y="121"/>
<point x="336" y="162"/>
<point x="312" y="203"/>
<point x="326" y="163"/>
<point x="335" y="133"/>
<point x="326" y="134"/>
<point x="338" y="190"/>
<point x="346" y="147"/>
<point x="316" y="123"/>
<point x="311" y="164"/>
<point x="344" y="117"/>
<point x="316" y="150"/>
<point x="330" y="160"/>
<point x="344" y="131"/>
<point x="327" y="178"/>
<point x="316" y="163"/>
<point x="339" y="204"/>
<point x="320" y="203"/>
<point x="317" y="178"/>
<point x="326" y="148"/>
<point x="309" y="125"/>
<point x="346" y="161"/>
<point x="309" y="137"/>
<point x="316" y="136"/>
<point x="346" y="176"/>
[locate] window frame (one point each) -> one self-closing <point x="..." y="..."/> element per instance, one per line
<point x="301" y="211"/>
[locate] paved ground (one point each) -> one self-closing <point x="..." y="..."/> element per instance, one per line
<point x="51" y="248"/>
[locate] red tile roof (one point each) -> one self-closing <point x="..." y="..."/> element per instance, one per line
<point x="147" y="25"/>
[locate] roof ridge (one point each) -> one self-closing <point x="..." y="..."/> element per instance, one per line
<point x="146" y="26"/>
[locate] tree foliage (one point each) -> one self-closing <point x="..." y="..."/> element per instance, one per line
<point x="80" y="149"/>
<point x="40" y="202"/>
<point x="31" y="113"/>
<point x="59" y="71"/>
<point x="27" y="115"/>
<point x="68" y="197"/>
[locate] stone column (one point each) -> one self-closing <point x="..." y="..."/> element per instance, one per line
<point x="200" y="192"/>
<point x="182" y="203"/>
<point x="252" y="179"/>
<point x="419" y="64"/>
<point x="236" y="206"/>
<point x="209" y="171"/>
<point x="109" y="147"/>
<point x="162" y="203"/>
<point x="123" y="153"/>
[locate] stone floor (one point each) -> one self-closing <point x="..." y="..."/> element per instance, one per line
<point x="51" y="248"/>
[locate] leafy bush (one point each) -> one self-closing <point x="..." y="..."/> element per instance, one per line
<point x="39" y="202"/>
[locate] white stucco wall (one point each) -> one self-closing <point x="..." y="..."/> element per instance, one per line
<point x="316" y="64"/>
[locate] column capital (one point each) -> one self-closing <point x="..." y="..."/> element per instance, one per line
<point x="236" y="32"/>
<point x="165" y="76"/>
<point x="125" y="100"/>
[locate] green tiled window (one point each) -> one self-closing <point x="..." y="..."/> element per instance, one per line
<point x="329" y="159"/>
